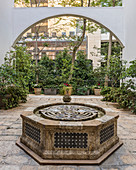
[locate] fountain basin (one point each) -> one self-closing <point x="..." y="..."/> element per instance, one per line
<point x="62" y="140"/>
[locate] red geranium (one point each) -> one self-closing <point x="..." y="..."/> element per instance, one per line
<point x="65" y="84"/>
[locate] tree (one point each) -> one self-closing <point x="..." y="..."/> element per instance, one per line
<point x="17" y="69"/>
<point x="46" y="71"/>
<point x="109" y="3"/>
<point x="131" y="70"/>
<point x="85" y="26"/>
<point x="83" y="71"/>
<point x="31" y="3"/>
<point x="80" y="39"/>
<point x="116" y="70"/>
<point x="37" y="52"/>
<point x="63" y="64"/>
<point x="22" y="64"/>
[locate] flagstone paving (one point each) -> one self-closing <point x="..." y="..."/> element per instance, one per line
<point x="14" y="158"/>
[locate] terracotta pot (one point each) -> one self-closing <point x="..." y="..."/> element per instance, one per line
<point x="97" y="92"/>
<point x="67" y="90"/>
<point x="37" y="91"/>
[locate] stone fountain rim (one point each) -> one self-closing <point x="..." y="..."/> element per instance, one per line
<point x="69" y="103"/>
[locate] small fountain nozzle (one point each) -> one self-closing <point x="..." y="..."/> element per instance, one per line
<point x="66" y="98"/>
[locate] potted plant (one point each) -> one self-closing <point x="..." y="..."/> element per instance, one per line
<point x="50" y="90"/>
<point x="67" y="89"/>
<point x="83" y="91"/>
<point x="37" y="89"/>
<point x="97" y="89"/>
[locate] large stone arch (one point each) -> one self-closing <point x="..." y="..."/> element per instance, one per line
<point x="119" y="20"/>
<point x="107" y="17"/>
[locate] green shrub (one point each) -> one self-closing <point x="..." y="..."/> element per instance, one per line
<point x="109" y="94"/>
<point x="17" y="95"/>
<point x="105" y="90"/>
<point x="125" y="95"/>
<point x="15" y="76"/>
<point x="82" y="91"/>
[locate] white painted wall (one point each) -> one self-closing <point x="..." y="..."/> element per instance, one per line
<point x="130" y="30"/>
<point x="5" y="27"/>
<point x="111" y="18"/>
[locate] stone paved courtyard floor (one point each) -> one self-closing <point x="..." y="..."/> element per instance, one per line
<point x="13" y="158"/>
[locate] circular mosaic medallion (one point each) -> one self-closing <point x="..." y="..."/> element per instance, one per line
<point x="69" y="112"/>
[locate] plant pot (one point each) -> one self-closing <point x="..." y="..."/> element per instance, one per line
<point x="37" y="91"/>
<point x="50" y="91"/>
<point x="67" y="90"/>
<point x="97" y="92"/>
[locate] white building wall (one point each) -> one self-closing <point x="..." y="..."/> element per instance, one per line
<point x="62" y="26"/>
<point x="111" y="18"/>
<point x="130" y="30"/>
<point x="5" y="27"/>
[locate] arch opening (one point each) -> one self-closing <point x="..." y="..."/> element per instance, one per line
<point x="65" y="15"/>
<point x="55" y="46"/>
<point x="72" y="15"/>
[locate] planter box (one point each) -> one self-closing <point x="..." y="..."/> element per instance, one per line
<point x="97" y="92"/>
<point x="37" y="91"/>
<point x="50" y="91"/>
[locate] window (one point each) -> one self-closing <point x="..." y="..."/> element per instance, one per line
<point x="104" y="31"/>
<point x="63" y="34"/>
<point x="71" y="33"/>
<point x="29" y="35"/>
<point x="53" y="34"/>
<point x="46" y="34"/>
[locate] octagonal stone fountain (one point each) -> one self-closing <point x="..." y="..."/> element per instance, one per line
<point x="69" y="133"/>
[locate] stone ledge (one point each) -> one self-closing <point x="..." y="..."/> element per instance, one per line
<point x="68" y="162"/>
